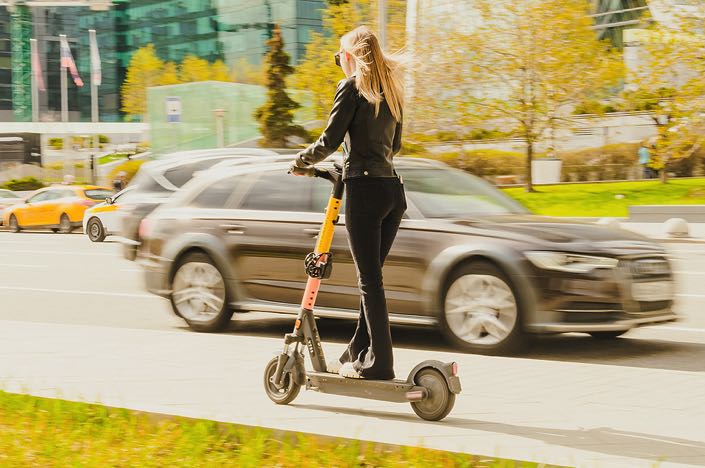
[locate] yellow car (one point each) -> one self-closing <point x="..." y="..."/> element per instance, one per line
<point x="59" y="208"/>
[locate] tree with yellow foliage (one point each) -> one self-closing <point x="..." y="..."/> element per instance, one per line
<point x="220" y="71"/>
<point x="194" y="69"/>
<point x="144" y="70"/>
<point x="523" y="65"/>
<point x="170" y="74"/>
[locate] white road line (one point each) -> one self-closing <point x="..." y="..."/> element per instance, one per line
<point x="76" y="291"/>
<point x="55" y="252"/>
<point x="680" y="329"/>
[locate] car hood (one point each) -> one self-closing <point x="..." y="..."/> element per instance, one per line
<point x="557" y="233"/>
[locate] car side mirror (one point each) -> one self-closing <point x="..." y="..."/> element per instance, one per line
<point x="109" y="201"/>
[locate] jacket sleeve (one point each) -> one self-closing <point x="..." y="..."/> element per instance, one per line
<point x="341" y="115"/>
<point x="396" y="144"/>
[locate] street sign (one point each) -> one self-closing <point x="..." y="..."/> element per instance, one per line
<point x="173" y="109"/>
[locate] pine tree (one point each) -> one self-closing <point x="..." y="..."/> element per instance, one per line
<point x="220" y="71"/>
<point x="170" y="74"/>
<point x="195" y="69"/>
<point x="276" y="116"/>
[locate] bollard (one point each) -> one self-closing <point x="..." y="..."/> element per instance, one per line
<point x="676" y="227"/>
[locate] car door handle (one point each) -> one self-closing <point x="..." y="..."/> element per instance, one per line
<point x="312" y="232"/>
<point x="233" y="228"/>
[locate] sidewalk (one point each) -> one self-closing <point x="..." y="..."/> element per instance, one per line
<point x="555" y="412"/>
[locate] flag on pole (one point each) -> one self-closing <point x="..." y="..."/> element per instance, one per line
<point x="96" y="75"/>
<point x="37" y="68"/>
<point x="67" y="60"/>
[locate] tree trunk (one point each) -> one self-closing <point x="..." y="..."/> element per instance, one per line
<point x="664" y="171"/>
<point x="529" y="158"/>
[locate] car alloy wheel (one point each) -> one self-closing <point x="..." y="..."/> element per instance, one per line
<point x="199" y="294"/>
<point x="481" y="312"/>
<point x="96" y="232"/>
<point x="65" y="224"/>
<point x="13" y="225"/>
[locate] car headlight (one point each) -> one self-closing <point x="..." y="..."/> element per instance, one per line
<point x="568" y="262"/>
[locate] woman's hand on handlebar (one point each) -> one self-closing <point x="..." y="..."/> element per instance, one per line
<point x="300" y="169"/>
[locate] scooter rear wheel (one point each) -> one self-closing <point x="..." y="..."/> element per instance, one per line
<point x="440" y="399"/>
<point x="284" y="395"/>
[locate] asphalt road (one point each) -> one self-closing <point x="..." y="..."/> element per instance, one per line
<point x="639" y="396"/>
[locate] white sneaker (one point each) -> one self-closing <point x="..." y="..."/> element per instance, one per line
<point x="348" y="371"/>
<point x="333" y="366"/>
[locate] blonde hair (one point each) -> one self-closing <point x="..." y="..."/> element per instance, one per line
<point x="378" y="75"/>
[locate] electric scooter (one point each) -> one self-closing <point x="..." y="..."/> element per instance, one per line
<point x="430" y="387"/>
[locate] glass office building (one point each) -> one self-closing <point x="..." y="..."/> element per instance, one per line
<point x="231" y="30"/>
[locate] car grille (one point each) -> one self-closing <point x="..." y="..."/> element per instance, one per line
<point x="649" y="268"/>
<point x="643" y="270"/>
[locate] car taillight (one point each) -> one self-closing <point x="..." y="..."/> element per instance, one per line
<point x="145" y="228"/>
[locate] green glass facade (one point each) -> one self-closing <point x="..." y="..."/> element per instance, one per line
<point x="230" y="30"/>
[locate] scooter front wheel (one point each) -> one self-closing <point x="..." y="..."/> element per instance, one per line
<point x="284" y="395"/>
<point x="440" y="399"/>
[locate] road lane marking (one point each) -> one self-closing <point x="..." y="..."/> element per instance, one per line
<point x="76" y="291"/>
<point x="55" y="252"/>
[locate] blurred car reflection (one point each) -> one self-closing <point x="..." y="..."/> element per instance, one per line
<point x="467" y="259"/>
<point x="157" y="180"/>
<point x="59" y="208"/>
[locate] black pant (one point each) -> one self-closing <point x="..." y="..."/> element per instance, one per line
<point x="374" y="207"/>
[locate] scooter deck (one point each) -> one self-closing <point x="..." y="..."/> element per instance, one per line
<point x="397" y="391"/>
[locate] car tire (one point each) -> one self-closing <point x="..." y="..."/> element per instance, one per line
<point x="65" y="226"/>
<point x="13" y="225"/>
<point x="95" y="230"/>
<point x="481" y="311"/>
<point x="200" y="293"/>
<point x="608" y="335"/>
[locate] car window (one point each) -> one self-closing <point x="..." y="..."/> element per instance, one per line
<point x="145" y="182"/>
<point x="98" y="194"/>
<point x="181" y="174"/>
<point x="62" y="194"/>
<point x="279" y="191"/>
<point x="448" y="193"/>
<point x="216" y="195"/>
<point x="321" y="194"/>
<point x="39" y="197"/>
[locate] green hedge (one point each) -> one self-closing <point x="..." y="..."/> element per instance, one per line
<point x="23" y="184"/>
<point x="487" y="163"/>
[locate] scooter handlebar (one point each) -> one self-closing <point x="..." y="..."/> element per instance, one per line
<point x="311" y="171"/>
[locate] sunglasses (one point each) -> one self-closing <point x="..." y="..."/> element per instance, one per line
<point x="337" y="58"/>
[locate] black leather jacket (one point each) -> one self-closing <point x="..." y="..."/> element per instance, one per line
<point x="373" y="141"/>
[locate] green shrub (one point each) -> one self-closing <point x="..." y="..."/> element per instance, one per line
<point x="24" y="184"/>
<point x="487" y="163"/>
<point x="56" y="143"/>
<point x="129" y="167"/>
<point x="103" y="139"/>
<point x="610" y="162"/>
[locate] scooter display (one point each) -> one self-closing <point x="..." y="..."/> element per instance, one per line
<point x="430" y="387"/>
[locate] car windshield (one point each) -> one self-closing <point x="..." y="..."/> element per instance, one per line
<point x="448" y="193"/>
<point x="98" y="194"/>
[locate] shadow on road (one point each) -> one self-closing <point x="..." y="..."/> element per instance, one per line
<point x="625" y="351"/>
<point x="649" y="447"/>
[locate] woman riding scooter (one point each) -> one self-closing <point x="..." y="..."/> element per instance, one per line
<point x="367" y="114"/>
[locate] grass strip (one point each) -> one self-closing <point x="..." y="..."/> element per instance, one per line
<point x="610" y="198"/>
<point x="50" y="432"/>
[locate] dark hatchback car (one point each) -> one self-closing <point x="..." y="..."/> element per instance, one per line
<point x="467" y="259"/>
<point x="158" y="180"/>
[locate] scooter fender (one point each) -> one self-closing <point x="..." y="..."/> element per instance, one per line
<point x="445" y="368"/>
